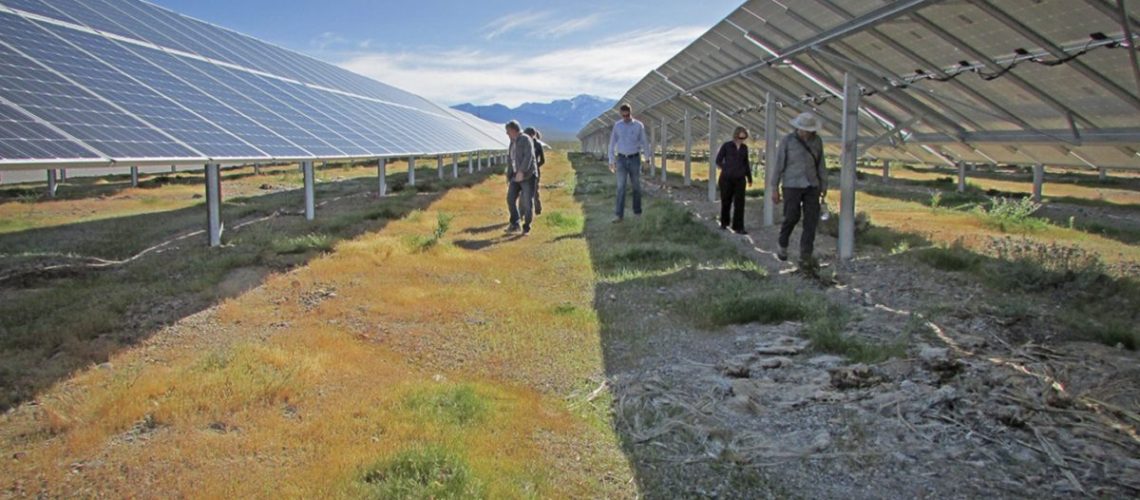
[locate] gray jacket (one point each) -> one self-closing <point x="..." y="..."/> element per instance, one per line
<point x="795" y="165"/>
<point x="521" y="158"/>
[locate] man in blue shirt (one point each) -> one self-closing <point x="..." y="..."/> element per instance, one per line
<point x="627" y="141"/>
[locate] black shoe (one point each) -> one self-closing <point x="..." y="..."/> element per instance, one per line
<point x="526" y="232"/>
<point x="724" y="227"/>
<point x="512" y="228"/>
<point x="739" y="231"/>
<point x="782" y="254"/>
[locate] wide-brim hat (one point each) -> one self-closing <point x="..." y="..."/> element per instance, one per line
<point x="807" y="121"/>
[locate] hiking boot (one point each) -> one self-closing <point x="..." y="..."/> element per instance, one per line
<point x="616" y="220"/>
<point x="740" y="231"/>
<point x="782" y="254"/>
<point x="512" y="228"/>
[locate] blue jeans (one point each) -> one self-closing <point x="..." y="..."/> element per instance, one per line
<point x="628" y="166"/>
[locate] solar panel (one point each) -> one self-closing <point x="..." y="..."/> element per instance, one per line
<point x="128" y="80"/>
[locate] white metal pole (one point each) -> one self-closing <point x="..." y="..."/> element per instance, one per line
<point x="664" y="151"/>
<point x="961" y="177"/>
<point x="886" y="171"/>
<point x="1038" y="182"/>
<point x="214" y="204"/>
<point x="688" y="150"/>
<point x="771" y="137"/>
<point x="439" y="166"/>
<point x="850" y="155"/>
<point x="135" y="177"/>
<point x="412" y="171"/>
<point x="63" y="175"/>
<point x="382" y="176"/>
<point x="256" y="169"/>
<point x="51" y="187"/>
<point x="470" y="163"/>
<point x="712" y="148"/>
<point x="1103" y="174"/>
<point x="455" y="166"/>
<point x="651" y="154"/>
<point x="310" y="190"/>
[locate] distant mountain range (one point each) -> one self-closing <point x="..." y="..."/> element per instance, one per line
<point x="558" y="121"/>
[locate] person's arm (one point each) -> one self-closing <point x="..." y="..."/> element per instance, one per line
<point x="747" y="167"/>
<point x="539" y="153"/>
<point x="723" y="152"/>
<point x="613" y="145"/>
<point x="526" y="157"/>
<point x="821" y="169"/>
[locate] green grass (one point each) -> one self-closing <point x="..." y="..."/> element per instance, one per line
<point x="427" y="472"/>
<point x="562" y="221"/>
<point x="301" y="244"/>
<point x="456" y="405"/>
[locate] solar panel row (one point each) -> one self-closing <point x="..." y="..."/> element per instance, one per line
<point x="130" y="81"/>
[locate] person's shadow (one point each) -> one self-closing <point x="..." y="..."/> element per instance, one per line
<point x="476" y="245"/>
<point x="484" y="229"/>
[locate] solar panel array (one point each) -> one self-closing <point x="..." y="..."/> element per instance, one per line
<point x="95" y="82"/>
<point x="985" y="81"/>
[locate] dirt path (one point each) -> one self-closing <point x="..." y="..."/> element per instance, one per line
<point x="977" y="407"/>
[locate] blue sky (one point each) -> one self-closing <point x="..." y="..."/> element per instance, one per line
<point x="478" y="51"/>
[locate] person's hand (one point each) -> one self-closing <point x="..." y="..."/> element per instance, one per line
<point x="518" y="176"/>
<point x="750" y="183"/>
<point x="613" y="168"/>
<point x="776" y="197"/>
<point x="822" y="195"/>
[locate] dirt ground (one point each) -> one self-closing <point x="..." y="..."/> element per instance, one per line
<point x="981" y="406"/>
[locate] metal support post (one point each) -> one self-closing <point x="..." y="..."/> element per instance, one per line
<point x="214" y="204"/>
<point x="439" y="166"/>
<point x="455" y="166"/>
<point x="771" y="137"/>
<point x="412" y="171"/>
<point x="849" y="156"/>
<point x="712" y="147"/>
<point x="1038" y="182"/>
<point x="664" y="151"/>
<point x="310" y="190"/>
<point x="688" y="150"/>
<point x="382" y="177"/>
<point x="961" y="177"/>
<point x="886" y="171"/>
<point x="51" y="187"/>
<point x="135" y="177"/>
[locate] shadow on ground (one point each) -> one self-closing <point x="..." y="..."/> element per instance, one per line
<point x="72" y="296"/>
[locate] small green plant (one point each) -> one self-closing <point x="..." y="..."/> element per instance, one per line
<point x="936" y="199"/>
<point x="301" y="244"/>
<point x="1009" y="214"/>
<point x="901" y="248"/>
<point x="420" y="243"/>
<point x="458" y="405"/>
<point x="422" y="472"/>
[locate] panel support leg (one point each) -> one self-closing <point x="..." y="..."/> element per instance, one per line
<point x="848" y="157"/>
<point x="310" y="190"/>
<point x="214" y="204"/>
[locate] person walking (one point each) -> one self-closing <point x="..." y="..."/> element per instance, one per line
<point x="521" y="171"/>
<point x="800" y="168"/>
<point x="732" y="160"/>
<point x="540" y="160"/>
<point x="627" y="141"/>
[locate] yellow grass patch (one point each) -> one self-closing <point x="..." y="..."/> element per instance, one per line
<point x="303" y="385"/>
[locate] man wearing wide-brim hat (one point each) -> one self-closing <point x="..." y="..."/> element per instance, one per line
<point x="801" y="170"/>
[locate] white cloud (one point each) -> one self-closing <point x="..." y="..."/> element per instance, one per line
<point x="511" y="22"/>
<point x="328" y="39"/>
<point x="608" y="68"/>
<point x="567" y="27"/>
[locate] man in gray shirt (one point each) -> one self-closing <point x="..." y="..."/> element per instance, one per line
<point x="627" y="142"/>
<point x="521" y="172"/>
<point x="800" y="166"/>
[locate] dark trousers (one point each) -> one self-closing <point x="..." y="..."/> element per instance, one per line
<point x="795" y="200"/>
<point x="732" y="197"/>
<point x="520" y="194"/>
